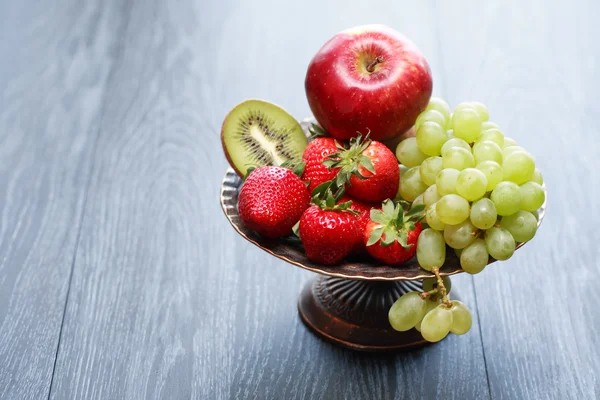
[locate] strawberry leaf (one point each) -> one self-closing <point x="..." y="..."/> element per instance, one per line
<point x="378" y="216"/>
<point x="329" y="201"/>
<point x="403" y="240"/>
<point x="375" y="236"/>
<point x="388" y="238"/>
<point x="298" y="169"/>
<point x="316" y="131"/>
<point x="329" y="163"/>
<point x="388" y="208"/>
<point x="415" y="210"/>
<point x="366" y="163"/>
<point x="296" y="229"/>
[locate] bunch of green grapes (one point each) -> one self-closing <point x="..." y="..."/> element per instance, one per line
<point x="431" y="313"/>
<point x="480" y="189"/>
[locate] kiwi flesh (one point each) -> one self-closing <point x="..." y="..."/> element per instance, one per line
<point x="256" y="133"/>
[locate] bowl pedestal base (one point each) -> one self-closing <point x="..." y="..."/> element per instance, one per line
<point x="354" y="313"/>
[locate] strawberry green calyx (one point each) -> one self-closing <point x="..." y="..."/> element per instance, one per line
<point x="316" y="131"/>
<point x="327" y="195"/>
<point x="297" y="168"/>
<point x="395" y="221"/>
<point x="350" y="159"/>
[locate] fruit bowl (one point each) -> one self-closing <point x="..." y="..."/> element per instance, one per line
<point x="346" y="304"/>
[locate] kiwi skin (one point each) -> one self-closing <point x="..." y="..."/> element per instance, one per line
<point x="242" y="174"/>
<point x="229" y="160"/>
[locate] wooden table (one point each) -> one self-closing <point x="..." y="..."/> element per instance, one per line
<point x="121" y="278"/>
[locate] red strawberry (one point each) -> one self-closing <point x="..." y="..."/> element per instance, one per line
<point x="363" y="217"/>
<point x="369" y="169"/>
<point x="315" y="171"/>
<point x="329" y="234"/>
<point x="272" y="200"/>
<point x="391" y="236"/>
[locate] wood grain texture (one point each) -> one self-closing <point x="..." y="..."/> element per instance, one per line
<point x="166" y="300"/>
<point x="536" y="68"/>
<point x="52" y="73"/>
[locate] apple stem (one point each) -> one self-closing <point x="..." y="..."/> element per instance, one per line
<point x="371" y="66"/>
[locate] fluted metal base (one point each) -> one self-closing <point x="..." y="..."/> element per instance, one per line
<point x="354" y="313"/>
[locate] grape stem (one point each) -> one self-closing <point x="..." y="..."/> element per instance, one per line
<point x="426" y="295"/>
<point x="441" y="288"/>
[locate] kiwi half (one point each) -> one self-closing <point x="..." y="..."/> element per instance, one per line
<point x="258" y="133"/>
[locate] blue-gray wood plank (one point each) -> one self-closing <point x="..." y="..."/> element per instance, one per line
<point x="119" y="276"/>
<point x="54" y="62"/>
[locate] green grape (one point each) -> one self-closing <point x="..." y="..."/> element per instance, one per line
<point x="431" y="195"/>
<point x="431" y="137"/>
<point x="431" y="249"/>
<point x="457" y="158"/>
<point x="432" y="218"/>
<point x="481" y="110"/>
<point x="431" y="304"/>
<point x="429" y="169"/>
<point x="407" y="311"/>
<point x="439" y="105"/>
<point x="458" y="252"/>
<point x="508" y="142"/>
<point x="537" y="177"/>
<point x="493" y="173"/>
<point x="493" y="135"/>
<point x="485" y="125"/>
<point x="431" y="283"/>
<point x="409" y="154"/>
<point x="418" y="200"/>
<point x="461" y="235"/>
<point x="487" y="150"/>
<point x="446" y="181"/>
<point x="452" y="209"/>
<point x="467" y="124"/>
<point x="506" y="198"/>
<point x="474" y="257"/>
<point x="471" y="184"/>
<point x="463" y="105"/>
<point x="499" y="243"/>
<point x="522" y="225"/>
<point x="450" y="132"/>
<point x="461" y="318"/>
<point x="411" y="185"/>
<point x="518" y="167"/>
<point x="455" y="142"/>
<point x="507" y="151"/>
<point x="532" y="196"/>
<point x="403" y="169"/>
<point x="436" y="324"/>
<point x="430" y="115"/>
<point x="483" y="213"/>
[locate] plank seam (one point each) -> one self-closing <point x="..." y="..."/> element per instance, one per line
<point x="88" y="184"/>
<point x="487" y="376"/>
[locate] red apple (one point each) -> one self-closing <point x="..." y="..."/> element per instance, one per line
<point x="368" y="79"/>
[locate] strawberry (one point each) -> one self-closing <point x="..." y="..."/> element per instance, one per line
<point x="392" y="234"/>
<point x="363" y="212"/>
<point x="315" y="172"/>
<point x="328" y="231"/>
<point x="368" y="168"/>
<point x="272" y="200"/>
